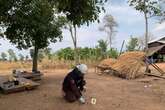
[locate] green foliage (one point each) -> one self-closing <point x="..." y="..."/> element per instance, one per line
<point x="103" y="47"/>
<point x="12" y="56"/>
<point x="150" y="7"/>
<point x="84" y="53"/>
<point x="5" y="6"/>
<point x="113" y="53"/>
<point x="32" y="23"/>
<point x="3" y="56"/>
<point x="133" y="44"/>
<point x="80" y="11"/>
<point x="47" y="52"/>
<point x="66" y="54"/>
<point x="87" y="53"/>
<point x="21" y="57"/>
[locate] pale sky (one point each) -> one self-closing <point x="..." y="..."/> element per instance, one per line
<point x="130" y="22"/>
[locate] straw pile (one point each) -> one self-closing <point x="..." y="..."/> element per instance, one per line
<point x="128" y="69"/>
<point x="108" y="62"/>
<point x="136" y="55"/>
<point x="128" y="65"/>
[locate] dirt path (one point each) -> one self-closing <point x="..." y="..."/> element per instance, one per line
<point x="111" y="93"/>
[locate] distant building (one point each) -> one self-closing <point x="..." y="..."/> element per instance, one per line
<point x="156" y="49"/>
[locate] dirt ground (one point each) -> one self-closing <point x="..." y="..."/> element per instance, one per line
<point x="112" y="93"/>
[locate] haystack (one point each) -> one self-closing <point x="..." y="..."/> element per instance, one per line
<point x="128" y="65"/>
<point x="137" y="55"/>
<point x="107" y="62"/>
<point x="128" y="69"/>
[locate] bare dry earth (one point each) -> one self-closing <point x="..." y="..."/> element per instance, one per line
<point x="112" y="93"/>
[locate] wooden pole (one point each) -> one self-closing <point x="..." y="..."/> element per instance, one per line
<point x="122" y="47"/>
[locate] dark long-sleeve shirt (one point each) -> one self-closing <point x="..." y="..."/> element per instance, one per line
<point x="74" y="83"/>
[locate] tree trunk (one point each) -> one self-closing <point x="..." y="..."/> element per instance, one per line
<point x="35" y="58"/>
<point x="110" y="40"/>
<point x="146" y="39"/>
<point x="146" y="32"/>
<point x="74" y="39"/>
<point x="75" y="47"/>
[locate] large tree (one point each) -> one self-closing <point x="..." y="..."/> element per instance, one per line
<point x="79" y="12"/>
<point x="109" y="26"/>
<point x="32" y="23"/>
<point x="149" y="8"/>
<point x="73" y="33"/>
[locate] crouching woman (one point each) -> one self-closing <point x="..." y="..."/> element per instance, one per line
<point x="74" y="83"/>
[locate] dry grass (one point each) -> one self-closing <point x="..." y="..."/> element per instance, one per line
<point x="128" y="69"/>
<point x="45" y="64"/>
<point x="14" y="65"/>
<point x="61" y="64"/>
<point x="53" y="64"/>
<point x="128" y="65"/>
<point x="108" y="62"/>
<point x="136" y="55"/>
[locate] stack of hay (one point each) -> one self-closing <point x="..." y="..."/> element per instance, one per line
<point x="128" y="65"/>
<point x="107" y="62"/>
<point x="105" y="66"/>
<point x="136" y="55"/>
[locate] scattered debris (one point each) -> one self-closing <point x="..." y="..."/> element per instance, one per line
<point x="28" y="75"/>
<point x="147" y="86"/>
<point x="19" y="81"/>
<point x="10" y="84"/>
<point x="93" y="101"/>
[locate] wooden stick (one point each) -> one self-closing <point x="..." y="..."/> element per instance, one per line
<point x="154" y="75"/>
<point x="122" y="47"/>
<point x="156" y="67"/>
<point x="160" y="70"/>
